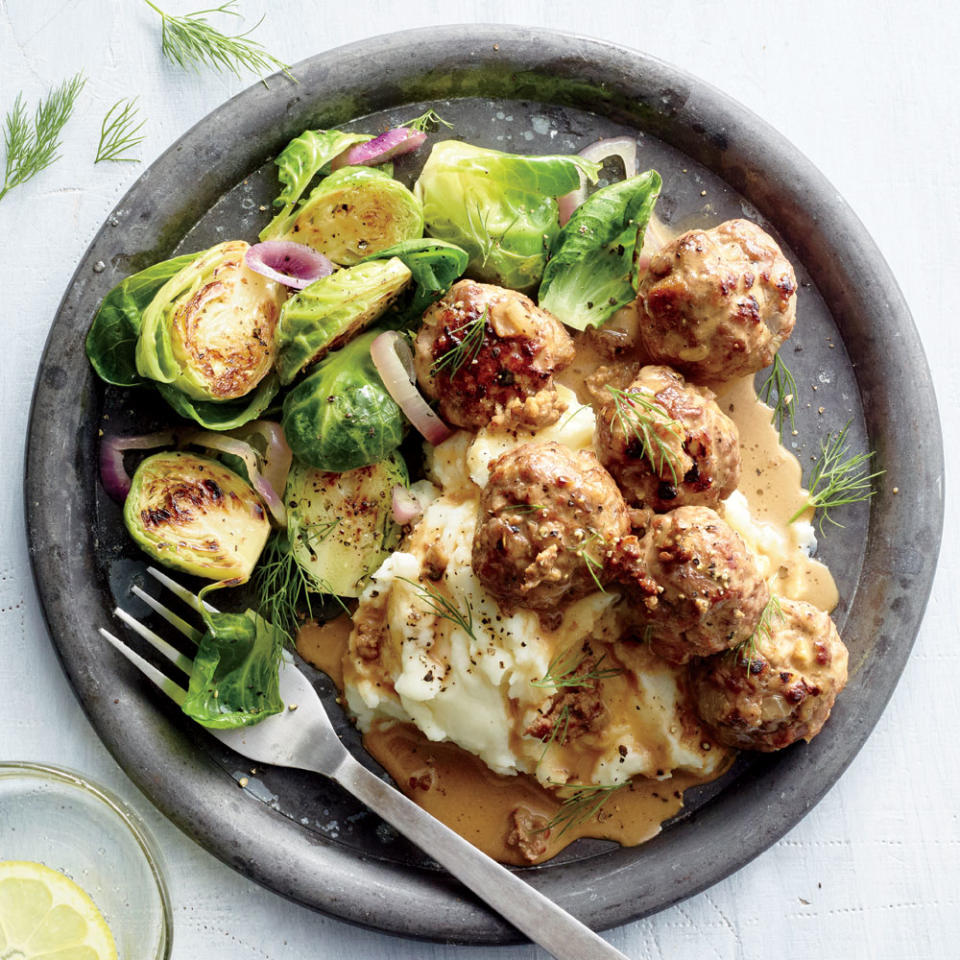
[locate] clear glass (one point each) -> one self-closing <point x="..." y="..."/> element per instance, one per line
<point x="59" y="818"/>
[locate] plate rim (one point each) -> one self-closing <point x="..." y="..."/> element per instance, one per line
<point x="433" y="906"/>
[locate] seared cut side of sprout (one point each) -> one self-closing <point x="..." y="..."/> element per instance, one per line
<point x="340" y="526"/>
<point x="209" y="330"/>
<point x="355" y="212"/>
<point x="191" y="513"/>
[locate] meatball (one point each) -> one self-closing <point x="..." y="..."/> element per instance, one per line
<point x="717" y="304"/>
<point x="699" y="585"/>
<point x="484" y="352"/>
<point x="778" y="688"/>
<point x="667" y="443"/>
<point x="547" y="520"/>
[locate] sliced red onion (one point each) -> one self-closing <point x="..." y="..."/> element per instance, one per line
<point x="292" y="264"/>
<point x="406" y="507"/>
<point x="277" y="456"/>
<point x="393" y="143"/>
<point x="391" y="356"/>
<point x="623" y="147"/>
<point x="227" y="444"/>
<point x="113" y="474"/>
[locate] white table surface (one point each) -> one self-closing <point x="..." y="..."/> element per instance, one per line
<point x="868" y="90"/>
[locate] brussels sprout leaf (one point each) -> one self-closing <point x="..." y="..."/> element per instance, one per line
<point x="334" y="308"/>
<point x="435" y="265"/>
<point x="592" y="272"/>
<point x="298" y="163"/>
<point x="235" y="679"/>
<point x="112" y="340"/>
<point x="225" y="415"/>
<point x="341" y="416"/>
<point x="499" y="207"/>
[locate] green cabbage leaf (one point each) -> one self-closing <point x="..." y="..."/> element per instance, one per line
<point x="499" y="207"/>
<point x="111" y="342"/>
<point x="593" y="272"/>
<point x="435" y="265"/>
<point x="235" y="679"/>
<point x="223" y="414"/>
<point x="333" y="309"/>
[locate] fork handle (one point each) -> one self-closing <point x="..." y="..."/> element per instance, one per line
<point x="525" y="907"/>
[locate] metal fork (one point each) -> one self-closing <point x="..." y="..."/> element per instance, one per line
<point x="305" y="739"/>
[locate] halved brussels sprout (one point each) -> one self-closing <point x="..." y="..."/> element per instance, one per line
<point x="340" y="525"/>
<point x="209" y="330"/>
<point x="193" y="514"/>
<point x="357" y="211"/>
<point x="331" y="310"/>
<point x="297" y="164"/>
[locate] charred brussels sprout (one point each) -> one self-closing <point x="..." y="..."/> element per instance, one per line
<point x="209" y="330"/>
<point x="112" y="341"/>
<point x="297" y="164"/>
<point x="355" y="212"/>
<point x="340" y="525"/>
<point x="499" y="207"/>
<point x="341" y="416"/>
<point x="193" y="514"/>
<point x="330" y="311"/>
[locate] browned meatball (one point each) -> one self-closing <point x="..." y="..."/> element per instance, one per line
<point x="778" y="688"/>
<point x="699" y="588"/>
<point x="717" y="304"/>
<point x="547" y="521"/>
<point x="667" y="443"/>
<point x="484" y="351"/>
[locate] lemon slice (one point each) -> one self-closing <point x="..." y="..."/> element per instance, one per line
<point x="46" y="916"/>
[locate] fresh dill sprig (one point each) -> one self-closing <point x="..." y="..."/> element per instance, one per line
<point x="556" y="677"/>
<point x="191" y="41"/>
<point x="118" y="132"/>
<point x="32" y="147"/>
<point x="284" y="587"/>
<point x="594" y="566"/>
<point x="838" y="478"/>
<point x="582" y="805"/>
<point x="781" y="383"/>
<point x="443" y="607"/>
<point x="468" y="341"/>
<point x="571" y="415"/>
<point x="426" y="121"/>
<point x="640" y="416"/>
<point x="748" y="650"/>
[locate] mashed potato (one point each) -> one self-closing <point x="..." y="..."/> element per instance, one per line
<point x="430" y="647"/>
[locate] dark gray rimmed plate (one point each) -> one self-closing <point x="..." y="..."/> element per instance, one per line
<point x="528" y="91"/>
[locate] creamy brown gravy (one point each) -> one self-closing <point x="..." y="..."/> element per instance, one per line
<point x="462" y="791"/>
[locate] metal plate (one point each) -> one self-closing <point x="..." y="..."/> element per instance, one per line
<point x="532" y="92"/>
